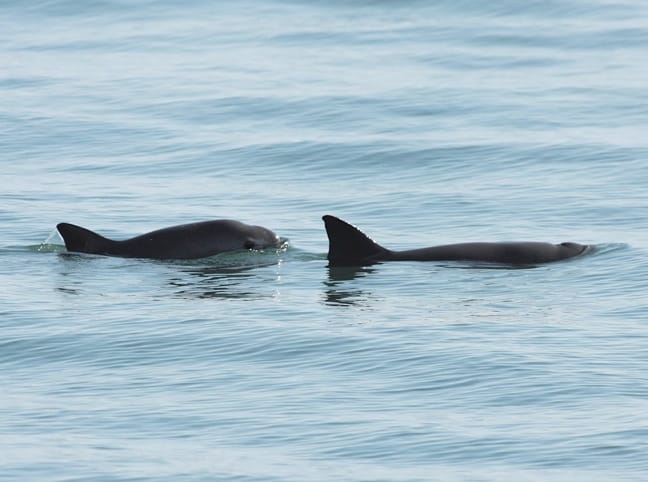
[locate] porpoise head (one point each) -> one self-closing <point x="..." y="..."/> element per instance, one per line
<point x="569" y="250"/>
<point x="260" y="237"/>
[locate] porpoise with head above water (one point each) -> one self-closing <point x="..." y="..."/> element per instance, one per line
<point x="186" y="241"/>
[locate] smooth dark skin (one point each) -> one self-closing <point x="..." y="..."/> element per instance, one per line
<point x="348" y="246"/>
<point x="187" y="241"/>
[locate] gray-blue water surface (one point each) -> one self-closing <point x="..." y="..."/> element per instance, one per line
<point x="421" y="122"/>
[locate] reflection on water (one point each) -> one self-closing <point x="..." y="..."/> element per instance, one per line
<point x="240" y="274"/>
<point x="219" y="281"/>
<point x="234" y="275"/>
<point x="229" y="275"/>
<point x="337" y="291"/>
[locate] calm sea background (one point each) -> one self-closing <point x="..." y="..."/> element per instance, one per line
<point x="421" y="122"/>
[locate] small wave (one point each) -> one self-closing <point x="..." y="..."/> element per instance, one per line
<point x="34" y="248"/>
<point x="606" y="248"/>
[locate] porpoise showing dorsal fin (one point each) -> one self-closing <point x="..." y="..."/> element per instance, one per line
<point x="348" y="246"/>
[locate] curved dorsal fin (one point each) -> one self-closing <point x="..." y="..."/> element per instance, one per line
<point x="82" y="240"/>
<point x="348" y="246"/>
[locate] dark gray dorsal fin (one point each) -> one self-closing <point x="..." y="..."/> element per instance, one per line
<point x="82" y="240"/>
<point x="348" y="246"/>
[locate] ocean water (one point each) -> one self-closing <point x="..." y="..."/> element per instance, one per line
<point x="421" y="122"/>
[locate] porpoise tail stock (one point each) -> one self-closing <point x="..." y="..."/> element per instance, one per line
<point x="186" y="241"/>
<point x="348" y="246"/>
